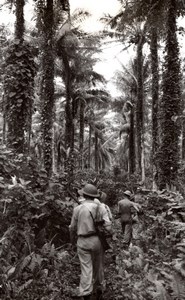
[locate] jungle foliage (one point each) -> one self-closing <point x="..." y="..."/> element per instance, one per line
<point x="37" y="260"/>
<point x="60" y="127"/>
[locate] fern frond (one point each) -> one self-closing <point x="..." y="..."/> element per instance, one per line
<point x="161" y="291"/>
<point x="178" y="286"/>
<point x="24" y="285"/>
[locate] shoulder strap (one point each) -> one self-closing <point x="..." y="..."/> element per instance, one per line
<point x="91" y="213"/>
<point x="92" y="216"/>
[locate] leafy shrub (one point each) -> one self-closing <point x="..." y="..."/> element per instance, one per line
<point x="34" y="215"/>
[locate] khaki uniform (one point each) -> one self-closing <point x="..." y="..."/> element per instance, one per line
<point x="125" y="210"/>
<point x="89" y="248"/>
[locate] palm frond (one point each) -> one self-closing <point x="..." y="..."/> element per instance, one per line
<point x="79" y="16"/>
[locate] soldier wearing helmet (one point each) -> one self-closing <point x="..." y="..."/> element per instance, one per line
<point x="89" y="247"/>
<point x="125" y="208"/>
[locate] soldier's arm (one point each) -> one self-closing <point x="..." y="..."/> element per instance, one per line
<point x="107" y="222"/>
<point x="73" y="226"/>
<point x="136" y="206"/>
<point x="118" y="214"/>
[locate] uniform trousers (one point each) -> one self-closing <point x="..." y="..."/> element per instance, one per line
<point x="127" y="231"/>
<point x="91" y="256"/>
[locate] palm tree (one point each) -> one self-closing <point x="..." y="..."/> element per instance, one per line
<point x="127" y="82"/>
<point x="78" y="61"/>
<point x="128" y="129"/>
<point x="170" y="106"/>
<point x="133" y="32"/>
<point x="47" y="73"/>
<point x="98" y="149"/>
<point x="154" y="13"/>
<point x="92" y="99"/>
<point x="155" y="95"/>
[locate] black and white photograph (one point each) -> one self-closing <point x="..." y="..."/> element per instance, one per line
<point x="92" y="149"/>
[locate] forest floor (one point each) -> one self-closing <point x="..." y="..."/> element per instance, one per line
<point x="145" y="271"/>
<point x="114" y="258"/>
<point x="153" y="268"/>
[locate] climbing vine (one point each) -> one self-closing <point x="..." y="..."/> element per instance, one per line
<point x="19" y="91"/>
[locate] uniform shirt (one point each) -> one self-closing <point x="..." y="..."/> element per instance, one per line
<point x="125" y="209"/>
<point x="107" y="214"/>
<point x="82" y="222"/>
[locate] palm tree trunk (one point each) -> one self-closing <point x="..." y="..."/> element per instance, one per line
<point x="81" y="146"/>
<point x="68" y="106"/>
<point x="183" y="139"/>
<point x="48" y="86"/>
<point x="69" y="124"/>
<point x="89" y="147"/>
<point x="54" y="152"/>
<point x="19" y="25"/>
<point x="170" y="106"/>
<point x="155" y="97"/>
<point x="96" y="160"/>
<point x="139" y="105"/>
<point x="143" y="163"/>
<point x="131" y="143"/>
<point x="18" y="93"/>
<point x="4" y="121"/>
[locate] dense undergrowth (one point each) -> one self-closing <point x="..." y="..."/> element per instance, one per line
<point x="37" y="261"/>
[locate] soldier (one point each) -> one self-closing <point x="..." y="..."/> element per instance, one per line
<point x="125" y="209"/>
<point x="89" y="247"/>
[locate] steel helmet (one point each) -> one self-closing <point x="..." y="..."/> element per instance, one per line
<point x="89" y="190"/>
<point x="128" y="193"/>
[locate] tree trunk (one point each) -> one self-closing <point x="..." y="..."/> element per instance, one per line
<point x="48" y="86"/>
<point x="155" y="97"/>
<point x="4" y="121"/>
<point x="139" y="105"/>
<point x="19" y="24"/>
<point x="89" y="147"/>
<point x="143" y="163"/>
<point x="15" y="134"/>
<point x="19" y="87"/>
<point x="183" y="140"/>
<point x="131" y="143"/>
<point x="69" y="124"/>
<point x="54" y="152"/>
<point x="170" y="106"/>
<point x="81" y="144"/>
<point x="96" y="160"/>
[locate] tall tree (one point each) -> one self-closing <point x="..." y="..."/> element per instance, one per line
<point x="19" y="26"/>
<point x="183" y="128"/>
<point x="140" y="104"/>
<point x="77" y="56"/>
<point x="128" y="128"/>
<point x="155" y="94"/>
<point x="47" y="89"/>
<point x="127" y="82"/>
<point x="19" y="86"/>
<point x="89" y="98"/>
<point x="170" y="106"/>
<point x="131" y="27"/>
<point x="153" y="13"/>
